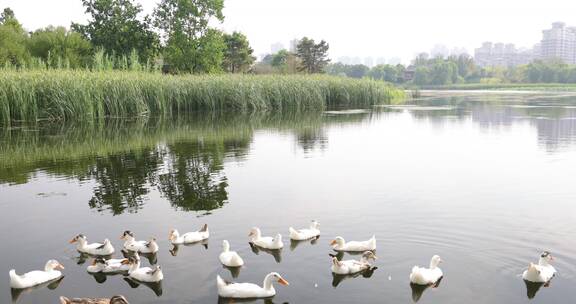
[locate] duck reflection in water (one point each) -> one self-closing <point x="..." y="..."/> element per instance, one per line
<point x="83" y="257"/>
<point x="175" y="248"/>
<point x="276" y="253"/>
<point x="294" y="244"/>
<point x="151" y="257"/>
<point x="338" y="278"/>
<point x="533" y="287"/>
<point x="156" y="286"/>
<point x="17" y="293"/>
<point x="418" y="290"/>
<point x="255" y="301"/>
<point x="234" y="271"/>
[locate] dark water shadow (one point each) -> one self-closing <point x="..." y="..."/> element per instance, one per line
<point x="532" y="288"/>
<point x="175" y="248"/>
<point x="418" y="290"/>
<point x="17" y="293"/>
<point x="276" y="253"/>
<point x="338" y="278"/>
<point x="222" y="300"/>
<point x="234" y="271"/>
<point x="151" y="257"/>
<point x="294" y="244"/>
<point x="156" y="287"/>
<point x="83" y="257"/>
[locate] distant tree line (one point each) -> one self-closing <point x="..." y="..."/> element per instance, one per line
<point x="458" y="69"/>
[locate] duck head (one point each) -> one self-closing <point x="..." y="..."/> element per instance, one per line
<point x="314" y="225"/>
<point x="435" y="261"/>
<point x="368" y="256"/>
<point x="225" y="246"/>
<point x="336" y="262"/>
<point x="337" y="242"/>
<point x="118" y="300"/>
<point x="545" y="258"/>
<point x="274" y="276"/>
<point x="255" y="233"/>
<point x="173" y="235"/>
<point x="127" y="235"/>
<point x="133" y="262"/>
<point x="80" y="239"/>
<point x="53" y="265"/>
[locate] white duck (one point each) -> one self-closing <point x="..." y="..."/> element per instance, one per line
<point x="265" y="242"/>
<point x="230" y="258"/>
<point x="339" y="244"/>
<point x="249" y="290"/>
<point x="427" y="276"/>
<point x="82" y="245"/>
<point x="36" y="277"/>
<point x="543" y="272"/>
<point x="353" y="266"/>
<point x="144" y="274"/>
<point x="108" y="266"/>
<point x="189" y="237"/>
<point x="131" y="244"/>
<point x="305" y="234"/>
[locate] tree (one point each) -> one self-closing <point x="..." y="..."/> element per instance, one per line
<point x="115" y="27"/>
<point x="13" y="39"/>
<point x="7" y="14"/>
<point x="56" y="44"/>
<point x="314" y="56"/>
<point x="187" y="37"/>
<point x="238" y="55"/>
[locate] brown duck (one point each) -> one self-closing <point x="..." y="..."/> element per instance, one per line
<point x="113" y="300"/>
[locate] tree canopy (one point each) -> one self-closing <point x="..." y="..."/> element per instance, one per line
<point x="313" y="56"/>
<point x="187" y="37"/>
<point x="115" y="26"/>
<point x="238" y="55"/>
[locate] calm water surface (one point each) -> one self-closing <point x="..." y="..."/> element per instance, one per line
<point x="484" y="180"/>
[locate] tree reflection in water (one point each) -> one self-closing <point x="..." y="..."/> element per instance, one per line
<point x="183" y="159"/>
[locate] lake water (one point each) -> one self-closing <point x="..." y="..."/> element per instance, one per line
<point x="484" y="180"/>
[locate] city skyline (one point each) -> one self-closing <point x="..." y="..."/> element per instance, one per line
<point x="389" y="30"/>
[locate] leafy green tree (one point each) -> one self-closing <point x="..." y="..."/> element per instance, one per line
<point x="6" y="15"/>
<point x="54" y="44"/>
<point x="114" y="25"/>
<point x="285" y="62"/>
<point x="238" y="56"/>
<point x="187" y="37"/>
<point x="13" y="39"/>
<point x="421" y="75"/>
<point x="314" y="56"/>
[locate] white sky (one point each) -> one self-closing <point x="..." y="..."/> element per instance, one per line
<point x="385" y="28"/>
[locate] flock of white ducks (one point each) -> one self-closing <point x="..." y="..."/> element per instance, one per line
<point x="542" y="272"/>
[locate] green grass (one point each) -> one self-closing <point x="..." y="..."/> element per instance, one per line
<point x="76" y="94"/>
<point x="569" y="87"/>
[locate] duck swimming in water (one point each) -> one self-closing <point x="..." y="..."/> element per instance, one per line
<point x="131" y="244"/>
<point x="36" y="277"/>
<point x="82" y="246"/>
<point x="542" y="272"/>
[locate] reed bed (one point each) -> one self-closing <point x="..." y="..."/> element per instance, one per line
<point x="79" y="94"/>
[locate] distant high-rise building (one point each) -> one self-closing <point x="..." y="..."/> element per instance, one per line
<point x="276" y="47"/>
<point x="505" y="55"/>
<point x="559" y="42"/>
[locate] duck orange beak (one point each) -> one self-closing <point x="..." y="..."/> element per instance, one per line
<point x="94" y="262"/>
<point x="125" y="262"/>
<point x="60" y="267"/>
<point x="283" y="282"/>
<point x="72" y="241"/>
<point x="122" y="237"/>
<point x="251" y="233"/>
<point x="333" y="243"/>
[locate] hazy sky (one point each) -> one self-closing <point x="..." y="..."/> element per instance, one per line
<point x="385" y="28"/>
